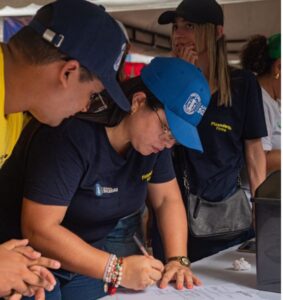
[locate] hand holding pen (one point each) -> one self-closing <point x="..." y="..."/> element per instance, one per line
<point x="141" y="271"/>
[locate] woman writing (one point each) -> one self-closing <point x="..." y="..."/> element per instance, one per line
<point x="79" y="180"/>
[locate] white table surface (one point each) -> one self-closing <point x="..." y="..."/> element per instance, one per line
<point x="217" y="270"/>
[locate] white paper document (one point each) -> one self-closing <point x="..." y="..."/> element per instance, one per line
<point x="216" y="292"/>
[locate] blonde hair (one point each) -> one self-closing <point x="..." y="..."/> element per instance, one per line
<point x="218" y="76"/>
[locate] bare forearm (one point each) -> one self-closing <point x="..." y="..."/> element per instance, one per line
<point x="172" y="223"/>
<point x="273" y="160"/>
<point x="74" y="254"/>
<point x="256" y="163"/>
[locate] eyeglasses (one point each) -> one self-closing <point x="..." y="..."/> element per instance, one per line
<point x="96" y="103"/>
<point x="167" y="134"/>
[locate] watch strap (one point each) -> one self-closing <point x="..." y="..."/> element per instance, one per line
<point x="183" y="260"/>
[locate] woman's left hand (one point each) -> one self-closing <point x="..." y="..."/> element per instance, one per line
<point x="183" y="276"/>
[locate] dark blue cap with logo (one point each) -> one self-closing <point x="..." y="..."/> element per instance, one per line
<point x="185" y="94"/>
<point x="85" y="32"/>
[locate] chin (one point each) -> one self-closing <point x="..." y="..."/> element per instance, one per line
<point x="52" y="122"/>
<point x="144" y="152"/>
<point x="147" y="153"/>
<point x="49" y="122"/>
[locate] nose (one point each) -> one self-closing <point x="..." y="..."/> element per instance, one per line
<point x="85" y="109"/>
<point x="179" y="32"/>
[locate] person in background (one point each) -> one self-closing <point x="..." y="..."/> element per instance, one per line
<point x="262" y="56"/>
<point x="233" y="125"/>
<point x="82" y="178"/>
<point x="51" y="68"/>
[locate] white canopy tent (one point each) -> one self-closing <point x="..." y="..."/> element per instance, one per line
<point x="28" y="7"/>
<point x="242" y="19"/>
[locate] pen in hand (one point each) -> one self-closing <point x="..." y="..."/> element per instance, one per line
<point x="140" y="245"/>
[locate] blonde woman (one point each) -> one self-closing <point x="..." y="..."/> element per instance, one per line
<point x="233" y="125"/>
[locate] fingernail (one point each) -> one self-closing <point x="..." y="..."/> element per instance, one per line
<point x="50" y="288"/>
<point x="179" y="286"/>
<point x="56" y="264"/>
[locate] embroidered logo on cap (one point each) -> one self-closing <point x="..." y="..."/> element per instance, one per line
<point x="119" y="58"/>
<point x="193" y="105"/>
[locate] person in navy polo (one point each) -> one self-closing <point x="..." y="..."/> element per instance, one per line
<point x="77" y="183"/>
<point x="233" y="125"/>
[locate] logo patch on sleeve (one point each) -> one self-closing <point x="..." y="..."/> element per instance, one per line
<point x="147" y="176"/>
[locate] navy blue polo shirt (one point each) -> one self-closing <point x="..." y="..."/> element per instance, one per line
<point x="74" y="165"/>
<point x="223" y="130"/>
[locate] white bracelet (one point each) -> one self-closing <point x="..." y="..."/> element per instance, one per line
<point x="108" y="268"/>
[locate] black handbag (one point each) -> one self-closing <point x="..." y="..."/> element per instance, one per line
<point x="225" y="219"/>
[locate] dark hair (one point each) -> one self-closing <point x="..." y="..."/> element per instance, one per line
<point x="36" y="50"/>
<point x="254" y="55"/>
<point x="105" y="111"/>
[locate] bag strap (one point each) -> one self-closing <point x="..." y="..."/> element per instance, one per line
<point x="181" y="170"/>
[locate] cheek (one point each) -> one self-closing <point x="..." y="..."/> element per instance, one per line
<point x="141" y="138"/>
<point x="79" y="100"/>
<point x="97" y="86"/>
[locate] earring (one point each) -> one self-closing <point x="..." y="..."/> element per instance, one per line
<point x="276" y="76"/>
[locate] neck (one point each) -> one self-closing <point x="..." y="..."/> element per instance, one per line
<point x="118" y="137"/>
<point x="267" y="82"/>
<point x="16" y="85"/>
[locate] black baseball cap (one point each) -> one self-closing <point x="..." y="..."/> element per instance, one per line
<point x="86" y="32"/>
<point x="195" y="11"/>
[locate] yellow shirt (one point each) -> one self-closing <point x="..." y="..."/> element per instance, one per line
<point x="10" y="125"/>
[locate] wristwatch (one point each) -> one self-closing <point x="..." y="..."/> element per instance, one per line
<point x="183" y="260"/>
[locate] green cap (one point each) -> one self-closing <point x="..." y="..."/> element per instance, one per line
<point x="274" y="46"/>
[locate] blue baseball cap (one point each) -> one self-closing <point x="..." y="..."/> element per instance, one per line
<point x="85" y="32"/>
<point x="185" y="94"/>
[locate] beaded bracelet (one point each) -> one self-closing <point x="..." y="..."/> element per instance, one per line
<point x="113" y="274"/>
<point x="108" y="269"/>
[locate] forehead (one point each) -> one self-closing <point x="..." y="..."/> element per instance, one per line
<point x="181" y="20"/>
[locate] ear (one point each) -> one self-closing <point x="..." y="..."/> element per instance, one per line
<point x="138" y="101"/>
<point x="219" y="31"/>
<point x="69" y="70"/>
<point x="277" y="66"/>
